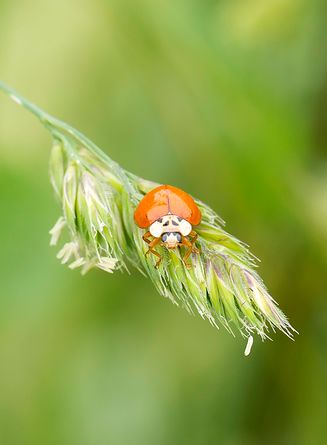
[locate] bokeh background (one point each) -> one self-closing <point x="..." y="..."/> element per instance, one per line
<point x="226" y="99"/>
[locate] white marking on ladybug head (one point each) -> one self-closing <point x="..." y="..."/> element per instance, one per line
<point x="185" y="227"/>
<point x="171" y="223"/>
<point x="156" y="229"/>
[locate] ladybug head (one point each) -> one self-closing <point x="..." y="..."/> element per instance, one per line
<point x="171" y="239"/>
<point x="170" y="228"/>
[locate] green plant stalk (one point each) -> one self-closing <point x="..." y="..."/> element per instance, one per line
<point x="98" y="198"/>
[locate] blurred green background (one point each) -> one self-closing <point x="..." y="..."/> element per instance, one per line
<point x="226" y="99"/>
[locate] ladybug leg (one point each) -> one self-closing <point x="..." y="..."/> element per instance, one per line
<point x="146" y="236"/>
<point x="190" y="244"/>
<point x="152" y="244"/>
<point x="185" y="242"/>
<point x="194" y="236"/>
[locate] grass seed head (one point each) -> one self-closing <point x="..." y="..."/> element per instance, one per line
<point x="98" y="199"/>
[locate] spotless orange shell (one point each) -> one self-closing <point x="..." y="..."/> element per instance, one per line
<point x="164" y="200"/>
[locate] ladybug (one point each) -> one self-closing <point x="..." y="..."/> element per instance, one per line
<point x="169" y="214"/>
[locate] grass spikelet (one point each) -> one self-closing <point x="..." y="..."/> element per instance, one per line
<point x="98" y="199"/>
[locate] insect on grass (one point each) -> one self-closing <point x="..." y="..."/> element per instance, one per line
<point x="117" y="220"/>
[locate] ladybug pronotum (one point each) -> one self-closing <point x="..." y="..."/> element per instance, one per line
<point x="169" y="214"/>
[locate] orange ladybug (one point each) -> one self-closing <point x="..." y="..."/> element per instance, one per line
<point x="169" y="214"/>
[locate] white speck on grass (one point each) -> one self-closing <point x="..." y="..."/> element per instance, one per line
<point x="16" y="99"/>
<point x="248" y="346"/>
